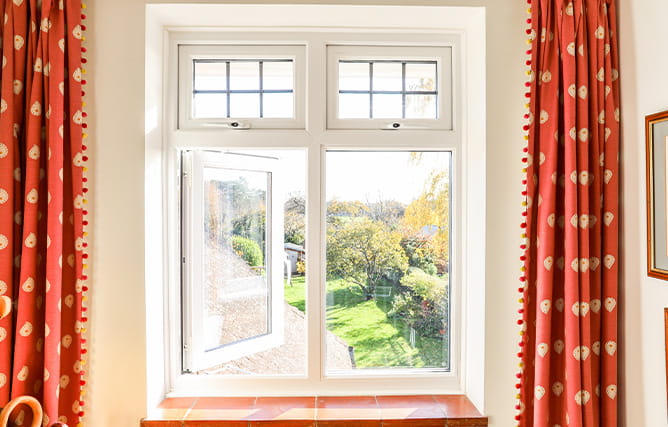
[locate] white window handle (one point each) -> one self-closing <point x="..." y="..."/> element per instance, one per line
<point x="230" y="125"/>
<point x="399" y="126"/>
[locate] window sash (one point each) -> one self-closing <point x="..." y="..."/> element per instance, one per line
<point x="189" y="54"/>
<point x="196" y="355"/>
<point x="441" y="55"/>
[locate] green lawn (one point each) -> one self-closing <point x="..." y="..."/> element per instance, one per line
<point x="295" y="294"/>
<point x="378" y="340"/>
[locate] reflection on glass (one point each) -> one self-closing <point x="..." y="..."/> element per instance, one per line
<point x="421" y="107"/>
<point x="236" y="289"/>
<point x="387" y="260"/>
<point x="421" y="77"/>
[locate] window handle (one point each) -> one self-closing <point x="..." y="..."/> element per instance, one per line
<point x="229" y="125"/>
<point x="400" y="126"/>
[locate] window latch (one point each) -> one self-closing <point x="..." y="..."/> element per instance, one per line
<point x="230" y="125"/>
<point x="400" y="126"/>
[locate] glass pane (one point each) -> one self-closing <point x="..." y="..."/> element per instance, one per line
<point x="387" y="76"/>
<point x="421" y="77"/>
<point x="237" y="212"/>
<point x="245" y="75"/>
<point x="353" y="106"/>
<point x="387" y="286"/>
<point x="237" y="292"/>
<point x="353" y="76"/>
<point x="278" y="105"/>
<point x="210" y="76"/>
<point x="209" y="105"/>
<point x="386" y="106"/>
<point x="244" y="105"/>
<point x="421" y="107"/>
<point x="278" y="75"/>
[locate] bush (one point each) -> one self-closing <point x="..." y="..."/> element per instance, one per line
<point x="420" y="254"/>
<point x="248" y="250"/>
<point x="251" y="226"/>
<point x="301" y="266"/>
<point x="422" y="303"/>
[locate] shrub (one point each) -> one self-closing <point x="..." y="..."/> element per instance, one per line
<point x="420" y="254"/>
<point x="248" y="250"/>
<point x="422" y="303"/>
<point x="301" y="266"/>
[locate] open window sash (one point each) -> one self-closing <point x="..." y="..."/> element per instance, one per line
<point x="233" y="257"/>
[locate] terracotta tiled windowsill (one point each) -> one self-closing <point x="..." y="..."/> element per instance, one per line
<point x="321" y="411"/>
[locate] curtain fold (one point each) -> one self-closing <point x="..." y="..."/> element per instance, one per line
<point x="570" y="271"/>
<point x="41" y="205"/>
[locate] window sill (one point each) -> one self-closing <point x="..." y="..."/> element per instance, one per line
<point x="321" y="411"/>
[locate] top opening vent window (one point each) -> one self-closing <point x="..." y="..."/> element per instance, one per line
<point x="389" y="87"/>
<point x="241" y="86"/>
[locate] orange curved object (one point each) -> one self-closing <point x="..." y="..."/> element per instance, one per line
<point x="32" y="403"/>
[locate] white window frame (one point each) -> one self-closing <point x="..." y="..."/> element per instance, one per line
<point x="405" y="25"/>
<point x="196" y="356"/>
<point x="441" y="54"/>
<point x="189" y="53"/>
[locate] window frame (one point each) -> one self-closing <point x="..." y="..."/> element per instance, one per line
<point x="165" y="28"/>
<point x="441" y="54"/>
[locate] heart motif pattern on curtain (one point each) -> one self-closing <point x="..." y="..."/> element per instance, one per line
<point x="570" y="267"/>
<point x="42" y="200"/>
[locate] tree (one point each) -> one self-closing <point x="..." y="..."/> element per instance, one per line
<point x="337" y="209"/>
<point x="388" y="212"/>
<point x="363" y="252"/>
<point x="295" y="210"/>
<point x="427" y="218"/>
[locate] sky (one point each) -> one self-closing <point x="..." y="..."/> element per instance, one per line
<point x="365" y="176"/>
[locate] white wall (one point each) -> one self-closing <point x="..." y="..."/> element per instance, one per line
<point x="643" y="64"/>
<point x="117" y="368"/>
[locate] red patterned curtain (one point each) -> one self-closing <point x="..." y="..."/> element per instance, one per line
<point x="569" y="303"/>
<point x="41" y="205"/>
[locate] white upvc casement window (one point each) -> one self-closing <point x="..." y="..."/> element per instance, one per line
<point x="205" y="176"/>
<point x="284" y="142"/>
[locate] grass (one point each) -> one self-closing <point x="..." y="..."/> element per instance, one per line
<point x="378" y="341"/>
<point x="295" y="293"/>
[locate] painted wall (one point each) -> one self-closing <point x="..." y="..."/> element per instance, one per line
<point x="117" y="368"/>
<point x="643" y="46"/>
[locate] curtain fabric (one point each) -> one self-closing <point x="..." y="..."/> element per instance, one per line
<point x="569" y="303"/>
<point x="41" y="205"/>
